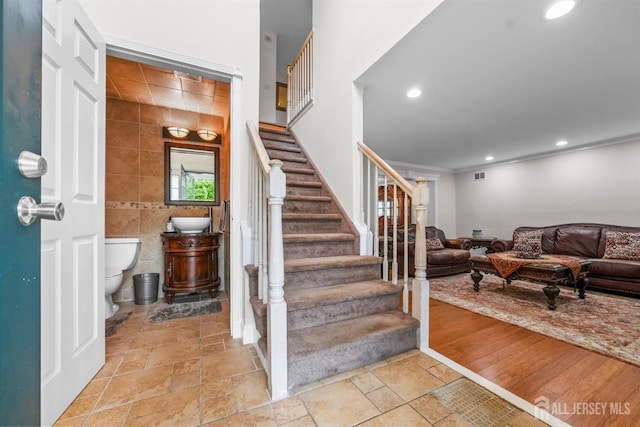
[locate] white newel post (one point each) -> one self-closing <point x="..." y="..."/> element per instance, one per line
<point x="277" y="306"/>
<point x="420" y="284"/>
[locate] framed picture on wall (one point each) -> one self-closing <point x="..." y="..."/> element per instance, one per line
<point x="281" y="96"/>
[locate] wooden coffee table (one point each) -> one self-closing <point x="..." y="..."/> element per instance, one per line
<point x="549" y="275"/>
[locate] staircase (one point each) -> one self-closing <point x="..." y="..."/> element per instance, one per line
<point x="341" y="316"/>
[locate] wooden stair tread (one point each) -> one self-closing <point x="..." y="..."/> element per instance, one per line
<point x="301" y="171"/>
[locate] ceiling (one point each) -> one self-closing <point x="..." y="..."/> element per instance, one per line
<point x="148" y="84"/>
<point x="497" y="79"/>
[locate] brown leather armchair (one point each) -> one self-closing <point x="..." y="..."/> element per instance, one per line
<point x="453" y="258"/>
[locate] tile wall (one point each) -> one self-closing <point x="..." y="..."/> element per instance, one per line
<point x="135" y="179"/>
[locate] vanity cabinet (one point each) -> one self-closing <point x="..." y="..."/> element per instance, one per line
<point x="190" y="264"/>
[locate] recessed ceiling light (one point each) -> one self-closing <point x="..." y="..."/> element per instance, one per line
<point x="488" y="158"/>
<point x="559" y="8"/>
<point x="414" y="93"/>
<point x="561" y="143"/>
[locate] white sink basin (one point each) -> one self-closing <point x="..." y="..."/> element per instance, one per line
<point x="190" y="224"/>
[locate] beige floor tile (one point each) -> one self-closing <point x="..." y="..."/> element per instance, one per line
<point x="220" y="407"/>
<point x="306" y="421"/>
<point x="289" y="409"/>
<point x="113" y="417"/>
<point x="80" y="406"/>
<point x="385" y="399"/>
<point x="443" y="372"/>
<point x="262" y="417"/>
<point x="339" y="404"/>
<point x="525" y="420"/>
<point x="139" y="354"/>
<point x="407" y="379"/>
<point x="216" y="388"/>
<point x="430" y="408"/>
<point x="424" y="360"/>
<point x="212" y="349"/>
<point x="226" y="364"/>
<point x="180" y="381"/>
<point x="180" y="408"/>
<point x="72" y="422"/>
<point x="214" y="328"/>
<point x="404" y="416"/>
<point x="131" y="366"/>
<point x="158" y="337"/>
<point x="453" y="420"/>
<point x="250" y="390"/>
<point x="95" y="387"/>
<point x="367" y="382"/>
<point x="186" y="366"/>
<point x="110" y="365"/>
<point x="135" y="386"/>
<point x="174" y="352"/>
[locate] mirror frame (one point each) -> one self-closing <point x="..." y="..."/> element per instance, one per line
<point x="167" y="172"/>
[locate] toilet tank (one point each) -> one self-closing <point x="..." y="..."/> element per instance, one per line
<point x="121" y="253"/>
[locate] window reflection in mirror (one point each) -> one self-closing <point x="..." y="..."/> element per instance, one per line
<point x="191" y="173"/>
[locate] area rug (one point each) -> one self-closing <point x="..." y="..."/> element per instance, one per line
<point x="115" y="322"/>
<point x="183" y="310"/>
<point x="607" y="324"/>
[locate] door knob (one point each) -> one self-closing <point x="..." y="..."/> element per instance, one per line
<point x="32" y="165"/>
<point x="29" y="210"/>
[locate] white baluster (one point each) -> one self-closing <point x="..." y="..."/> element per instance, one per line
<point x="420" y="284"/>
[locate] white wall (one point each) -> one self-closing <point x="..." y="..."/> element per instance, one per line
<point x="349" y="36"/>
<point x="600" y="185"/>
<point x="268" y="51"/>
<point x="225" y="32"/>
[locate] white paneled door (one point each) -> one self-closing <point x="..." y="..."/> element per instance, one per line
<point x="72" y="263"/>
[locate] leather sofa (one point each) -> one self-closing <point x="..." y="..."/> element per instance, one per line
<point x="452" y="258"/>
<point x="593" y="242"/>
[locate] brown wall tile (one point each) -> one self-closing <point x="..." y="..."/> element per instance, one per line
<point x="151" y="137"/>
<point x="152" y="114"/>
<point x="122" y="223"/>
<point x="152" y="189"/>
<point x="187" y="119"/>
<point x="123" y="110"/>
<point x="123" y="161"/>
<point x="151" y="163"/>
<point x="122" y="134"/>
<point x="122" y="188"/>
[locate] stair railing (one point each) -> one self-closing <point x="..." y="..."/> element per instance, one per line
<point x="378" y="212"/>
<point x="267" y="189"/>
<point x="300" y="82"/>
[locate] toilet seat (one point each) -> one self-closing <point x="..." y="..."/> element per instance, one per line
<point x="112" y="273"/>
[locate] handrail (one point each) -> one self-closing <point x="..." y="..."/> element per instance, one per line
<point x="300" y="81"/>
<point x="402" y="183"/>
<point x="261" y="152"/>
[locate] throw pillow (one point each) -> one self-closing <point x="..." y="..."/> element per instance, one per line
<point x="434" y="243"/>
<point x="528" y="242"/>
<point x="622" y="245"/>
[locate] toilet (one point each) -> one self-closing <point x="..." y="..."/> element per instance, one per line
<point x="120" y="254"/>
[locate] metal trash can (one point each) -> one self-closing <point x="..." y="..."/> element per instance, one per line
<point x="146" y="288"/>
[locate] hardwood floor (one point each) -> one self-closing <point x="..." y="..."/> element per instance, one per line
<point x="583" y="388"/>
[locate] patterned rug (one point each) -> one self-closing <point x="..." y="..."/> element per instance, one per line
<point x="115" y="322"/>
<point x="604" y="323"/>
<point x="175" y="311"/>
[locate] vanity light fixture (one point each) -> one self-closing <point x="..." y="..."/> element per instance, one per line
<point x="488" y="158"/>
<point x="561" y="143"/>
<point x="178" y="132"/>
<point x="559" y="8"/>
<point x="414" y="93"/>
<point x="207" y="135"/>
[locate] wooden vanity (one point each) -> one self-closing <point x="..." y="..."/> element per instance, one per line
<point x="191" y="264"/>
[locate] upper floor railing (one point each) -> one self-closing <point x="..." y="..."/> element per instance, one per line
<point x="300" y="81"/>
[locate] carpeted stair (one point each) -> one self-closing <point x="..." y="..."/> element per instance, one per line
<point x="341" y="316"/>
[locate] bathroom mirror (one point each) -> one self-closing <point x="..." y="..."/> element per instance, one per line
<point x="191" y="173"/>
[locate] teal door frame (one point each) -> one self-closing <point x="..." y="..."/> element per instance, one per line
<point x="20" y="124"/>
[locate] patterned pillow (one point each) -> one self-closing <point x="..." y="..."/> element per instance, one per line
<point x="622" y="245"/>
<point x="528" y="242"/>
<point x="434" y="243"/>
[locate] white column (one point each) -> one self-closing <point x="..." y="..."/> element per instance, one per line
<point x="277" y="306"/>
<point x="420" y="284"/>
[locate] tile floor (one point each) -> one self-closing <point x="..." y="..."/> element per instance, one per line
<point x="189" y="372"/>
